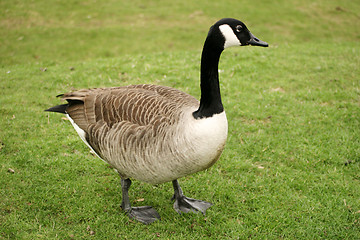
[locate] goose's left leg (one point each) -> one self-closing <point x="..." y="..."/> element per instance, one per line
<point x="185" y="204"/>
<point x="145" y="214"/>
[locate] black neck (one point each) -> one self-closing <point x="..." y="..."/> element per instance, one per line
<point x="210" y="102"/>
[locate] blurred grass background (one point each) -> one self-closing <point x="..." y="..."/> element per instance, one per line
<point x="56" y="31"/>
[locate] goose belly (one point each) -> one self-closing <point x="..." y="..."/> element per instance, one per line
<point x="192" y="146"/>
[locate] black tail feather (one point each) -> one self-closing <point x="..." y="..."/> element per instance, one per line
<point x="59" y="108"/>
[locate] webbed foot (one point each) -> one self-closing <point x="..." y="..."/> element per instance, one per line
<point x="144" y="214"/>
<point x="185" y="204"/>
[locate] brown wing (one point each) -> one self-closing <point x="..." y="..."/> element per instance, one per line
<point x="128" y="110"/>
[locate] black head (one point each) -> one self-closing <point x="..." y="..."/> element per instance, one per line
<point x="234" y="33"/>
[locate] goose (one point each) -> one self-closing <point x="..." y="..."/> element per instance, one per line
<point x="158" y="134"/>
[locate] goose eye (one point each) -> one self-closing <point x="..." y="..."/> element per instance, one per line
<point x="239" y="28"/>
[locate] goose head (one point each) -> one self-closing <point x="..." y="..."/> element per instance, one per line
<point x="225" y="33"/>
<point x="229" y="32"/>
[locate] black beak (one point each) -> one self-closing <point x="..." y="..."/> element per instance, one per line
<point x="254" y="41"/>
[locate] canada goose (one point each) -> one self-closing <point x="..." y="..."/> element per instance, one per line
<point x="158" y="134"/>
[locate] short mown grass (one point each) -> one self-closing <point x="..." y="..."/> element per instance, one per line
<point x="291" y="166"/>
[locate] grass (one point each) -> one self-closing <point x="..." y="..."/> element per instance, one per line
<point x="291" y="165"/>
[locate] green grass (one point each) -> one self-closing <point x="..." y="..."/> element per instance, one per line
<point x="291" y="167"/>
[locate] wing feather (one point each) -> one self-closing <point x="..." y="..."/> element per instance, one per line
<point x="125" y="114"/>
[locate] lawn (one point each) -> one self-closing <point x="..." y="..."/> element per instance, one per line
<point x="291" y="166"/>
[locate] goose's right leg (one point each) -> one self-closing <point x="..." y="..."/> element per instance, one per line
<point x="145" y="214"/>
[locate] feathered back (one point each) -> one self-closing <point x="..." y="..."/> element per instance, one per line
<point x="138" y="104"/>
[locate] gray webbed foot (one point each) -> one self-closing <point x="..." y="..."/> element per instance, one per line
<point x="145" y="214"/>
<point x="185" y="204"/>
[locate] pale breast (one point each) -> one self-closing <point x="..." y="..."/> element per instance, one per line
<point x="208" y="137"/>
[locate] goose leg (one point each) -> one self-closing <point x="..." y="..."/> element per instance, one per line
<point x="185" y="204"/>
<point x="144" y="214"/>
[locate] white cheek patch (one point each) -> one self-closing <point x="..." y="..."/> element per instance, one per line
<point x="229" y="35"/>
